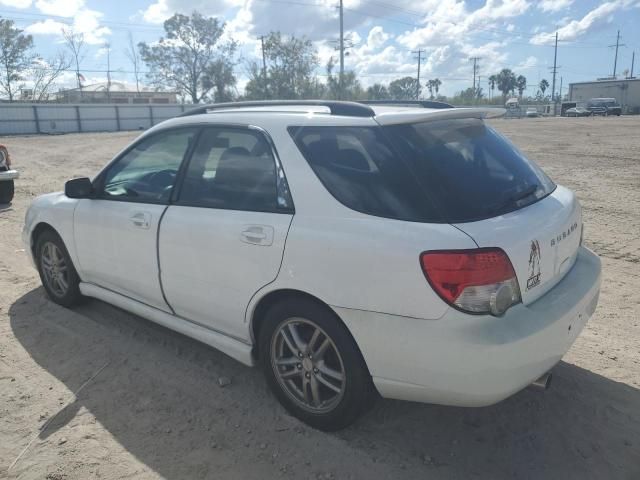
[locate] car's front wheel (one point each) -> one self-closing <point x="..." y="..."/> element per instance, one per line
<point x="6" y="191"/>
<point x="58" y="275"/>
<point x="313" y="365"/>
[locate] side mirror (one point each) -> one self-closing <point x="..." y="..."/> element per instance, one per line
<point x="78" y="188"/>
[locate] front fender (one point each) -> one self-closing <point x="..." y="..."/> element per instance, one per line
<point x="53" y="210"/>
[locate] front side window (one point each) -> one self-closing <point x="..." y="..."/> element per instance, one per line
<point x="234" y="168"/>
<point x="148" y="171"/>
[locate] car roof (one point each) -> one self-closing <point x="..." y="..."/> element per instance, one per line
<point x="310" y="113"/>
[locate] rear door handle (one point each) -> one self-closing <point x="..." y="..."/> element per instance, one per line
<point x="257" y="235"/>
<point x="141" y="219"/>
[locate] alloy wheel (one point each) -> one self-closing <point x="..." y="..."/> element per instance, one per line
<point x="307" y="365"/>
<point x="55" y="269"/>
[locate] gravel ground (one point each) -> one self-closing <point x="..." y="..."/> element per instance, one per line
<point x="157" y="409"/>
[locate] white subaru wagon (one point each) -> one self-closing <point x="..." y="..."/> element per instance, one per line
<point x="347" y="248"/>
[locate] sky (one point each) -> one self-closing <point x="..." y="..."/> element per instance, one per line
<point x="384" y="34"/>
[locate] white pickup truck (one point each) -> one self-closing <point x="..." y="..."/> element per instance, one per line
<point x="7" y="176"/>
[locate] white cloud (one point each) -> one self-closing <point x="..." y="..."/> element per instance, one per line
<point x="554" y="5"/>
<point x="377" y="37"/>
<point x="576" y="28"/>
<point x="16" y="3"/>
<point x="527" y="64"/>
<point x="85" y="21"/>
<point x="46" y="27"/>
<point x="63" y="8"/>
<point x="160" y="10"/>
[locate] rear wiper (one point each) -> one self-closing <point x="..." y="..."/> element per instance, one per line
<point x="513" y="199"/>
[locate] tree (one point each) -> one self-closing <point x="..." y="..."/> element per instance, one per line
<point x="430" y="87"/>
<point x="493" y="80"/>
<point x="291" y="62"/>
<point x="521" y="84"/>
<point x="15" y="56"/>
<point x="44" y="74"/>
<point x="403" y="88"/>
<point x="351" y="88"/>
<point x="75" y="43"/>
<point x="132" y="54"/>
<point x="543" y="85"/>
<point x="192" y="58"/>
<point x="377" y="91"/>
<point x="436" y="85"/>
<point x="506" y="82"/>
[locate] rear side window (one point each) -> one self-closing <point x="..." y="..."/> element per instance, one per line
<point x="442" y="171"/>
<point x="234" y="169"/>
<point x="357" y="166"/>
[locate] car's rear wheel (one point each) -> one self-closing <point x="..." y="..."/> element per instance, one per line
<point x="6" y="191"/>
<point x="58" y="275"/>
<point x="313" y="365"/>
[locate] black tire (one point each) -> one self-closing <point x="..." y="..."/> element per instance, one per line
<point x="6" y="191"/>
<point x="71" y="295"/>
<point x="357" y="387"/>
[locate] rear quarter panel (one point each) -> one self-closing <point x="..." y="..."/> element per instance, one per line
<point x="366" y="263"/>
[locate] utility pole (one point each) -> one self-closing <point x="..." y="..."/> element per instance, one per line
<point x="264" y="69"/>
<point x="419" y="53"/>
<point x="555" y="69"/>
<point x="475" y="69"/>
<point x="107" y="46"/>
<point x="633" y="59"/>
<point x="615" y="59"/>
<point x="560" y="92"/>
<point x="341" y="49"/>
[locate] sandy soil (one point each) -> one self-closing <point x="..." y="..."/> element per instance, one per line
<point x="157" y="410"/>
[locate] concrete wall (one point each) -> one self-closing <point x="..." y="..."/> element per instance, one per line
<point x="626" y="92"/>
<point x="25" y="118"/>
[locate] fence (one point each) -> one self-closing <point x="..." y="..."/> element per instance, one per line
<point x="34" y="118"/>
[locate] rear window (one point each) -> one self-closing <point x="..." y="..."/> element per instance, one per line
<point x="448" y="171"/>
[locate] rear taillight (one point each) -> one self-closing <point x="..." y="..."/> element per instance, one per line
<point x="475" y="281"/>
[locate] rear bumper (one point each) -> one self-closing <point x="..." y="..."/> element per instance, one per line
<point x="469" y="360"/>
<point x="9" y="175"/>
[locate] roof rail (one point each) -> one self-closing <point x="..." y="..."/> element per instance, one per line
<point x="413" y="103"/>
<point x="347" y="109"/>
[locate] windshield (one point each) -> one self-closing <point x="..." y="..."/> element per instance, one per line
<point x="443" y="171"/>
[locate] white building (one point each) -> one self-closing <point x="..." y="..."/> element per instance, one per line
<point x="626" y="92"/>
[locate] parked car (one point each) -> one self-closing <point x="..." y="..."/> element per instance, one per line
<point x="531" y="112"/>
<point x="604" y="106"/>
<point x="345" y="248"/>
<point x="578" y="112"/>
<point x="7" y="176"/>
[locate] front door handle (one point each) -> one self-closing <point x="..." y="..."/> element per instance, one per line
<point x="141" y="220"/>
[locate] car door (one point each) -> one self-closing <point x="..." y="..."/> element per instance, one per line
<point x="223" y="237"/>
<point x="116" y="232"/>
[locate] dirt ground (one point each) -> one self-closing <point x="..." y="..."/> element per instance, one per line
<point x="157" y="411"/>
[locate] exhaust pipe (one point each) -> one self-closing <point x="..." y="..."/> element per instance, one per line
<point x="543" y="382"/>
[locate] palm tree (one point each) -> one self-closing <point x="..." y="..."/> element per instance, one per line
<point x="521" y="84"/>
<point x="493" y="80"/>
<point x="436" y="85"/>
<point x="506" y="82"/>
<point x="543" y="86"/>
